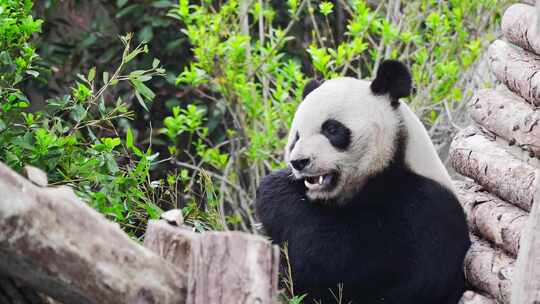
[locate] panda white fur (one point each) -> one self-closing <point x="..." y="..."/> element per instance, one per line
<point x="366" y="203"/>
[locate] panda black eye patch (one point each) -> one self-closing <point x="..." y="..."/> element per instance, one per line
<point x="337" y="133"/>
<point x="296" y="138"/>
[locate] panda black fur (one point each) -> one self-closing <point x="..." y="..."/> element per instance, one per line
<point x="390" y="232"/>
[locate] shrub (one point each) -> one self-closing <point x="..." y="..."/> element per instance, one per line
<point x="77" y="140"/>
<point x="16" y="54"/>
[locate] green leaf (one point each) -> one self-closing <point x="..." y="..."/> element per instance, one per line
<point x="146" y="34"/>
<point x="120" y="3"/>
<point x="155" y="63"/>
<point x="32" y="72"/>
<point x="141" y="101"/>
<point x="136" y="74"/>
<point x="129" y="139"/>
<point x="143" y="89"/>
<point x="127" y="10"/>
<point x="145" y="78"/>
<point x="326" y="8"/>
<point x="162" y="4"/>
<point x="91" y="74"/>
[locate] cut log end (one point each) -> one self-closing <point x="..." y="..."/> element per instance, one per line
<point x="516" y="69"/>
<point x="247" y="264"/>
<point x="489" y="270"/>
<point x="501" y="173"/>
<point x="495" y="220"/>
<point x="508" y="116"/>
<point x="519" y="26"/>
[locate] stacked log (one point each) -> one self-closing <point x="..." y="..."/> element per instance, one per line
<point x="499" y="155"/>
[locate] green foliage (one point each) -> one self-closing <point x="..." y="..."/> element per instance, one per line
<point x="16" y="55"/>
<point x="296" y="299"/>
<point x="75" y="139"/>
<point x="251" y="74"/>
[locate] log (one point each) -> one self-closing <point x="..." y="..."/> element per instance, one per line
<point x="12" y="292"/>
<point x="489" y="270"/>
<point x="173" y="243"/>
<point x="499" y="222"/>
<point x="223" y="267"/>
<point x="520" y="26"/>
<point x="516" y="69"/>
<point x="526" y="288"/>
<point x="56" y="244"/>
<point x="508" y="116"/>
<point x="471" y="297"/>
<point x="474" y="155"/>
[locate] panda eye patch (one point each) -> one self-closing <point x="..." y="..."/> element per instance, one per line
<point x="296" y="138"/>
<point x="337" y="133"/>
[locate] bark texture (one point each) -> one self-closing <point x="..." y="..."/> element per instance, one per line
<point x="56" y="244"/>
<point x="489" y="270"/>
<point x="516" y="69"/>
<point x="508" y="116"/>
<point x="249" y="273"/>
<point x="493" y="219"/>
<point x="471" y="297"/>
<point x="223" y="267"/>
<point x="526" y="288"/>
<point x="520" y="26"/>
<point x="12" y="292"/>
<point x="474" y="155"/>
<point x="173" y="243"/>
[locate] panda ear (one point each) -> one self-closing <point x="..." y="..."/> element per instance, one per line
<point x="310" y="86"/>
<point x="393" y="78"/>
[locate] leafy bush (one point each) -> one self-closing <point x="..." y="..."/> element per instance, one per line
<point x="16" y="55"/>
<point x="76" y="141"/>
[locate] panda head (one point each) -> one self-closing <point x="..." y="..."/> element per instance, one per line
<point x="345" y="131"/>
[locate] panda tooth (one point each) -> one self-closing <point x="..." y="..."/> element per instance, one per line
<point x="321" y="179"/>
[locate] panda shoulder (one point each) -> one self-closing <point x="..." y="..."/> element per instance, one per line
<point x="437" y="197"/>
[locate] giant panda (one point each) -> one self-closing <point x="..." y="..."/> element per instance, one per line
<point x="366" y="208"/>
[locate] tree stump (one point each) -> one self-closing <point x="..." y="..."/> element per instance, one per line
<point x="223" y="267"/>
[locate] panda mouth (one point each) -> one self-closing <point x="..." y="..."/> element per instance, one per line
<point x="320" y="182"/>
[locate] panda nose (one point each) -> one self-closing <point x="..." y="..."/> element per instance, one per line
<point x="300" y="164"/>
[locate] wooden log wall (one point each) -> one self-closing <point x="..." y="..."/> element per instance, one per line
<point x="499" y="154"/>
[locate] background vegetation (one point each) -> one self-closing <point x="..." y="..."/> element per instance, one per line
<point x="146" y="105"/>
